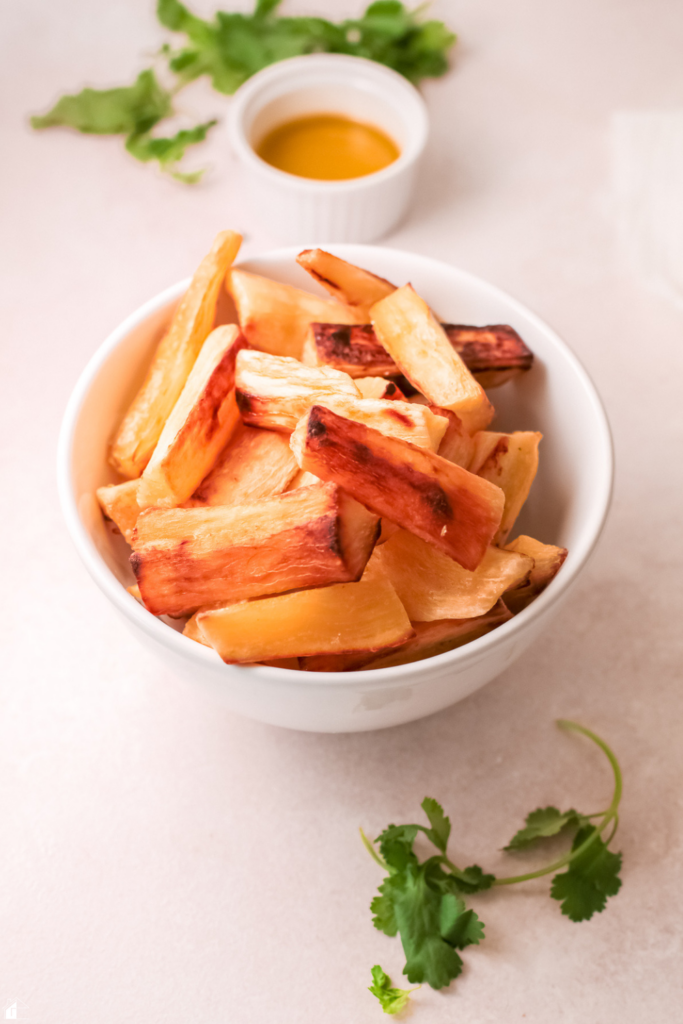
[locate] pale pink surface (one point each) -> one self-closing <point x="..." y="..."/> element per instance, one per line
<point x="165" y="861"/>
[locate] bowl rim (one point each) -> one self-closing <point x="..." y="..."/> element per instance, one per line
<point x="380" y="678"/>
<point x="396" y="83"/>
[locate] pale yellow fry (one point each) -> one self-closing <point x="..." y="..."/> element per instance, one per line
<point x="119" y="502"/>
<point x="510" y="461"/>
<point x="419" y="346"/>
<point x="275" y="317"/>
<point x="344" y="281"/>
<point x="353" y="616"/>
<point x="175" y="356"/>
<point x="200" y="424"/>
<point x="432" y="586"/>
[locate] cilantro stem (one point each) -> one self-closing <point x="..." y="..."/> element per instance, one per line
<point x="614" y="830"/>
<point x="609" y="815"/>
<point x="370" y="847"/>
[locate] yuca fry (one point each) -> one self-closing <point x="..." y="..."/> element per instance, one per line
<point x="254" y="464"/>
<point x="493" y="354"/>
<point x="194" y="632"/>
<point x="354" y="616"/>
<point x="200" y="425"/>
<point x="417" y="342"/>
<point x="548" y="560"/>
<point x="175" y="356"/>
<point x="119" y="502"/>
<point x="380" y="387"/>
<point x="275" y="317"/>
<point x="276" y="391"/>
<point x="303" y="479"/>
<point x="456" y="445"/>
<point x="185" y="558"/>
<point x="353" y="349"/>
<point x="511" y="462"/>
<point x="410" y="486"/>
<point x="431" y="638"/>
<point x="344" y="281"/>
<point x="432" y="586"/>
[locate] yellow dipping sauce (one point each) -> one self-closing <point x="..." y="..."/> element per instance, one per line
<point x="327" y="147"/>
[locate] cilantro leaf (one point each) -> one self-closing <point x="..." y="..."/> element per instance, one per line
<point x="441" y="825"/>
<point x="591" y="877"/>
<point x="543" y="823"/>
<point x="131" y="109"/>
<point x="382" y="906"/>
<point x="473" y="879"/>
<point x="429" y="955"/>
<point x="459" y="926"/>
<point x="396" y="845"/>
<point x="168" y="151"/>
<point x="392" y="1000"/>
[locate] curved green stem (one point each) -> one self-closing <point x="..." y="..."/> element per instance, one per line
<point x="609" y="754"/>
<point x="609" y="815"/>
<point x="369" y="846"/>
<point x="614" y="830"/>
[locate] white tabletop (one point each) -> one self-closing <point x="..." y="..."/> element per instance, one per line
<point x="164" y="860"/>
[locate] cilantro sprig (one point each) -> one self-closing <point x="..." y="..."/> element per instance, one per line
<point x="423" y="901"/>
<point x="229" y="48"/>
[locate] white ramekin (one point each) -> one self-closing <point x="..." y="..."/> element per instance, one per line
<point x="567" y="505"/>
<point x="354" y="210"/>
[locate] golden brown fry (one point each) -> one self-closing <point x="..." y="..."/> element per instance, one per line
<point x="276" y="391"/>
<point x="548" y="560"/>
<point x="353" y="349"/>
<point x="417" y="342"/>
<point x="511" y="462"/>
<point x="353" y="616"/>
<point x="432" y="586"/>
<point x="185" y="558"/>
<point x="275" y="317"/>
<point x="119" y="502"/>
<point x="411" y="486"/>
<point x="254" y="464"/>
<point x="493" y="355"/>
<point x="431" y="638"/>
<point x="175" y="356"/>
<point x="200" y="424"/>
<point x="344" y="281"/>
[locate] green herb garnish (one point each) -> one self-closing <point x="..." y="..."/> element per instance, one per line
<point x="131" y="111"/>
<point x="231" y="47"/>
<point x="392" y="1000"/>
<point x="422" y="901"/>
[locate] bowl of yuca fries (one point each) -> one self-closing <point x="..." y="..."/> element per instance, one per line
<point x="344" y="488"/>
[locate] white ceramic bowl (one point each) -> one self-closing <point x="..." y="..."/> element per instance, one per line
<point x="356" y="210"/>
<point x="567" y="505"/>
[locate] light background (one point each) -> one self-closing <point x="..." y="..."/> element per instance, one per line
<point x="163" y="860"/>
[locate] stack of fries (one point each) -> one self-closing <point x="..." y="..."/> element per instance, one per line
<point x="317" y="488"/>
